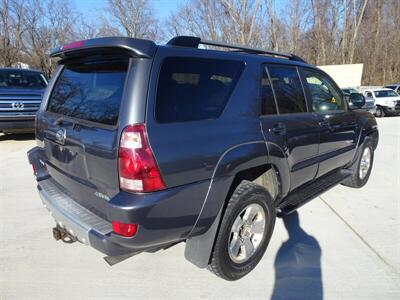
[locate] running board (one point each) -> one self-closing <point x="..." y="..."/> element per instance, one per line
<point x="305" y="194"/>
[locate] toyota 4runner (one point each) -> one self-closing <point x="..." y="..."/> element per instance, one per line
<point x="141" y="147"/>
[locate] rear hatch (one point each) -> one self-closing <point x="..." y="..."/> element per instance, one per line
<point x="79" y="128"/>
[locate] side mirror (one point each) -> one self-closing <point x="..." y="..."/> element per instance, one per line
<point x="356" y="100"/>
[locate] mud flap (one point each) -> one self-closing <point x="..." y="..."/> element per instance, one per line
<point x="199" y="248"/>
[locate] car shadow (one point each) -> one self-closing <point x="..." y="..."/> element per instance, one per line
<point x="297" y="264"/>
<point x="17" y="136"/>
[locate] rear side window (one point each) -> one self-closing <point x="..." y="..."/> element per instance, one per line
<point x="288" y="90"/>
<point x="267" y="95"/>
<point x="90" y="91"/>
<point x="192" y="89"/>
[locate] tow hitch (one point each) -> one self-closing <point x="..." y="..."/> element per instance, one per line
<point x="60" y="233"/>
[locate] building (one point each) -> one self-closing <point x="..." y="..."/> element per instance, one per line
<point x="345" y="75"/>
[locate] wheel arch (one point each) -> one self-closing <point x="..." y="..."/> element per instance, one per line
<point x="248" y="161"/>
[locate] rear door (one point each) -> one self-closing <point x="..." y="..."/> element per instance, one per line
<point x="338" y="138"/>
<point x="80" y="128"/>
<point x="288" y="124"/>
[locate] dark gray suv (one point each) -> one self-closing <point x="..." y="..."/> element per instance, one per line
<point x="141" y="147"/>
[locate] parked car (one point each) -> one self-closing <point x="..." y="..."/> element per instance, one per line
<point x="21" y="92"/>
<point x="369" y="103"/>
<point x="143" y="146"/>
<point x="394" y="86"/>
<point x="387" y="101"/>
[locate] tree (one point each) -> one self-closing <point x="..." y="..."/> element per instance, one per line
<point x="321" y="31"/>
<point x="233" y="21"/>
<point x="11" y="30"/>
<point x="136" y="18"/>
<point x="48" y="25"/>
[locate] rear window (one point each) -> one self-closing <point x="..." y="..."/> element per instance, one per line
<point x="192" y="89"/>
<point x="90" y="91"/>
<point x="20" y="79"/>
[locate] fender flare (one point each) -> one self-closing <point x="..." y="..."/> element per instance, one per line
<point x="367" y="127"/>
<point x="240" y="157"/>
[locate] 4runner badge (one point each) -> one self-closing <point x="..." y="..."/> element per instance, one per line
<point x="100" y="195"/>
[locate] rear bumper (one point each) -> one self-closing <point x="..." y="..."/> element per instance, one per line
<point x="20" y="124"/>
<point x="163" y="217"/>
<point x="81" y="223"/>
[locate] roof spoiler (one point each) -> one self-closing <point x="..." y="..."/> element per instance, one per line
<point x="138" y="47"/>
<point x="194" y="42"/>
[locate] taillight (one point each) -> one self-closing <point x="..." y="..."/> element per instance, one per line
<point x="124" y="229"/>
<point x="138" y="170"/>
<point x="34" y="169"/>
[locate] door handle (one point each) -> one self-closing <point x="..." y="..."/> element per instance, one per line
<point x="324" y="123"/>
<point x="279" y="129"/>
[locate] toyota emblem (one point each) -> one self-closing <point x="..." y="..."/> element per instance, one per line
<point x="17" y="105"/>
<point x="61" y="135"/>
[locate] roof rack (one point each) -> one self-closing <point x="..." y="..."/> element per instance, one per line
<point x="194" y="42"/>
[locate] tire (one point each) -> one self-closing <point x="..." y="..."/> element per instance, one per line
<point x="223" y="262"/>
<point x="379" y="113"/>
<point x="358" y="179"/>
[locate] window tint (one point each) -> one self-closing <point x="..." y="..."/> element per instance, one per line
<point x="90" y="91"/>
<point x="20" y="79"/>
<point x="288" y="89"/>
<point x="194" y="88"/>
<point x="267" y="96"/>
<point x="325" y="97"/>
<point x="385" y="93"/>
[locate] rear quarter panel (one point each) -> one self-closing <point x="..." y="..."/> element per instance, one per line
<point x="189" y="151"/>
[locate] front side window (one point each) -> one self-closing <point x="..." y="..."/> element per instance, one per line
<point x="288" y="90"/>
<point x="325" y="96"/>
<point x="192" y="89"/>
<point x="90" y="91"/>
<point x="267" y="96"/>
